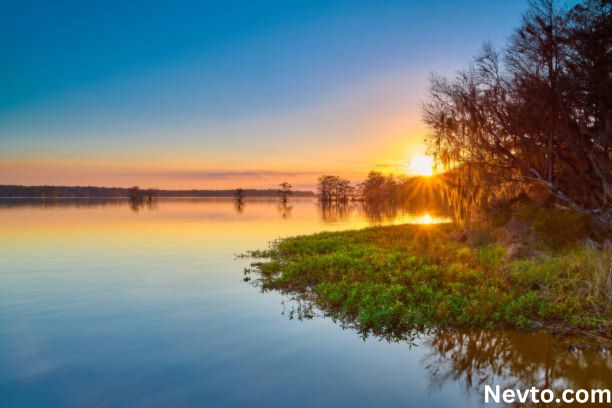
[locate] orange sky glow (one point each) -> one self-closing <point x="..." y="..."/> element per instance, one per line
<point x="252" y="98"/>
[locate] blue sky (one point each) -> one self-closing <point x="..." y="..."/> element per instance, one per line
<point x="173" y="92"/>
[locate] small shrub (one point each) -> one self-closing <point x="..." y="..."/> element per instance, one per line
<point x="555" y="227"/>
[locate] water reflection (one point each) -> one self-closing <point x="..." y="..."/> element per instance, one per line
<point x="100" y="305"/>
<point x="512" y="359"/>
<point x="284" y="209"/>
<point x="137" y="205"/>
<point x="474" y="358"/>
<point x="239" y="205"/>
<point x="44" y="203"/>
<point x="328" y="213"/>
<point x="335" y="212"/>
<point x="382" y="213"/>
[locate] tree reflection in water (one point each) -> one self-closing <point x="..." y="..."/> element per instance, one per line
<point x="512" y="359"/>
<point x="284" y="209"/>
<point x="333" y="213"/>
<point x="478" y="357"/>
<point x="239" y="205"/>
<point x="137" y="205"/>
<point x="379" y="213"/>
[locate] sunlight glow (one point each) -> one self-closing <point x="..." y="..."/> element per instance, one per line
<point x="425" y="219"/>
<point x="420" y="165"/>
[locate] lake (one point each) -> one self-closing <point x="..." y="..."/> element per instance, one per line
<point x="106" y="304"/>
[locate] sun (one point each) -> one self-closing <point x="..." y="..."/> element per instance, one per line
<point x="425" y="219"/>
<point x="420" y="165"/>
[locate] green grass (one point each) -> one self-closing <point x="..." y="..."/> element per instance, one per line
<point x="393" y="280"/>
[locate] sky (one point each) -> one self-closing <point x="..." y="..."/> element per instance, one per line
<point x="225" y="94"/>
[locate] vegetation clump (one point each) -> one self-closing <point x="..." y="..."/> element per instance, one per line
<point x="397" y="279"/>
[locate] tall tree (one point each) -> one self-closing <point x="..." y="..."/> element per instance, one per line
<point x="532" y="115"/>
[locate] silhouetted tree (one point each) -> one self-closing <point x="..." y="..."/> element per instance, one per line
<point x="239" y="199"/>
<point x="334" y="189"/>
<point x="239" y="194"/>
<point x="135" y="194"/>
<point x="139" y="197"/>
<point x="285" y="191"/>
<point x="538" y="115"/>
<point x="151" y="195"/>
<point x="382" y="194"/>
<point x="377" y="188"/>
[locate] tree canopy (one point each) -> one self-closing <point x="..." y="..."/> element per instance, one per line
<point x="535" y="115"/>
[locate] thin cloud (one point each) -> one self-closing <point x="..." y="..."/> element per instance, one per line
<point x="222" y="174"/>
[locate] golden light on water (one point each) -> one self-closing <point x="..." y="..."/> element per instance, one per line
<point x="420" y="165"/>
<point x="423" y="219"/>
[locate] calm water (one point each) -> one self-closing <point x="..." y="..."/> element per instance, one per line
<point x="104" y="305"/>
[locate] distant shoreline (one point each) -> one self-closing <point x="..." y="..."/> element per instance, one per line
<point x="127" y="198"/>
<point x="19" y="191"/>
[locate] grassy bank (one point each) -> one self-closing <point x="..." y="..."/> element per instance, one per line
<point x="532" y="269"/>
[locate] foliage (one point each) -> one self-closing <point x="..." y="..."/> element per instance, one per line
<point x="383" y="193"/>
<point x="393" y="280"/>
<point x="537" y="115"/>
<point x="554" y="227"/>
<point x="335" y="189"/>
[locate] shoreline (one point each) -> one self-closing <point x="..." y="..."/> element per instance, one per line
<point x="394" y="279"/>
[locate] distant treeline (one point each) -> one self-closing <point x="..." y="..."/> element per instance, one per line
<point x="383" y="190"/>
<point x="118" y="192"/>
